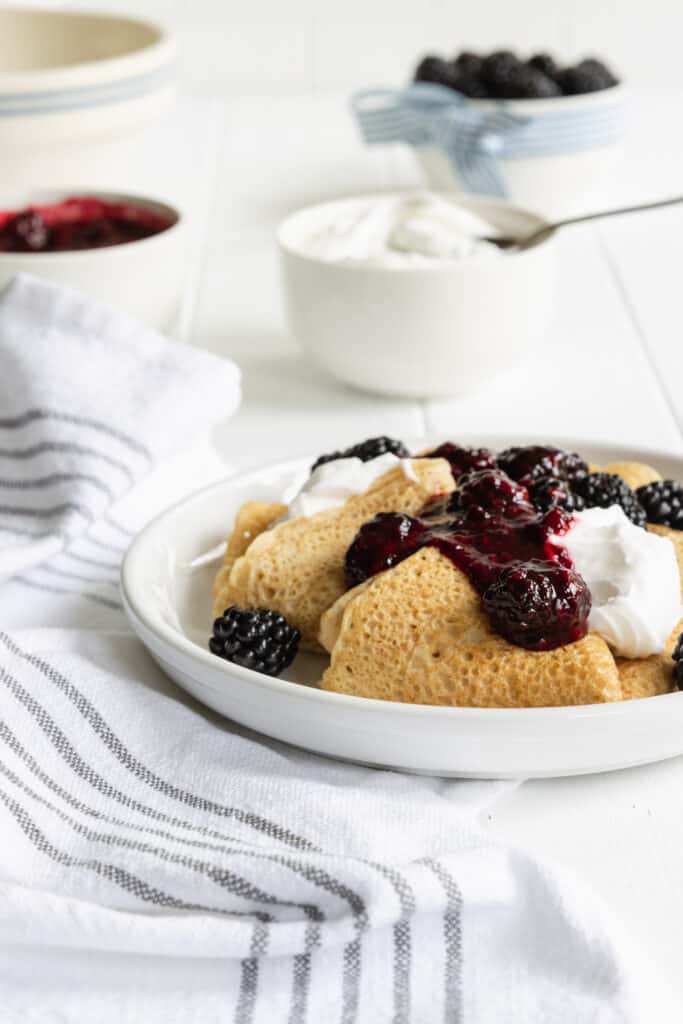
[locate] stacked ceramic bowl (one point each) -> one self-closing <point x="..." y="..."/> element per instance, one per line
<point x="75" y="88"/>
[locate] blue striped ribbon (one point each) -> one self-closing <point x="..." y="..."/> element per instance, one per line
<point x="476" y="138"/>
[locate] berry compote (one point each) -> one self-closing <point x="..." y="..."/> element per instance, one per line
<point x="506" y="547"/>
<point x="80" y="222"/>
<point x="463" y="460"/>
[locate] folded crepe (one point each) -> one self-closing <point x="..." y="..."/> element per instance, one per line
<point x="417" y="633"/>
<point x="297" y="566"/>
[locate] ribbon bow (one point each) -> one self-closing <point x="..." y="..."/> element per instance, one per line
<point x="425" y="114"/>
<point x="476" y="138"/>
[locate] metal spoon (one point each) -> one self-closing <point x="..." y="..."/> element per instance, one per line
<point x="540" y="234"/>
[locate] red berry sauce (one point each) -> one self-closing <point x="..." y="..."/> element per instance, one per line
<point x="491" y="531"/>
<point x="80" y="222"/>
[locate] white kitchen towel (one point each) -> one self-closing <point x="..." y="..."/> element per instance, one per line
<point x="160" y="864"/>
<point x="89" y="400"/>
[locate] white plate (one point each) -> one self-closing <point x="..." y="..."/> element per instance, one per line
<point x="169" y="606"/>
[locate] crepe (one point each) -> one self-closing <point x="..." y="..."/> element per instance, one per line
<point x="297" y="567"/>
<point x="418" y="634"/>
<point x="252" y="519"/>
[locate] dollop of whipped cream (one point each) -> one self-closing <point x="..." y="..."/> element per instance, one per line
<point x="331" y="484"/>
<point x="633" y="578"/>
<point x="390" y="231"/>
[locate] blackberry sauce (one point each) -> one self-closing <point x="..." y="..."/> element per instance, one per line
<point x="77" y="223"/>
<point x="491" y="531"/>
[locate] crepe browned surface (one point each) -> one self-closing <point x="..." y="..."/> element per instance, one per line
<point x="297" y="567"/>
<point x="417" y="633"/>
<point x="252" y="519"/>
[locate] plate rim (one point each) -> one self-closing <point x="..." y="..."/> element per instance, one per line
<point x="186" y="648"/>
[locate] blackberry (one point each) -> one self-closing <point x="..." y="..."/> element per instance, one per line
<point x="469" y="63"/>
<point x="526" y="83"/>
<point x="549" y="492"/>
<point x="366" y="450"/>
<point x="436" y="70"/>
<point x="531" y="463"/>
<point x="663" y="503"/>
<point x="385" y="541"/>
<point x="600" y="490"/>
<point x="539" y="605"/>
<point x="255" y="638"/>
<point x="588" y="76"/>
<point x="470" y="85"/>
<point x="545" y="63"/>
<point x="463" y="460"/>
<point x="678" y="662"/>
<point x="29" y="231"/>
<point x="496" y="69"/>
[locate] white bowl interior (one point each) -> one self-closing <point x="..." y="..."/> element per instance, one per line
<point x="35" y="40"/>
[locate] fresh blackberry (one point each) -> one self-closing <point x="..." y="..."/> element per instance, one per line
<point x="532" y="463"/>
<point x="539" y="605"/>
<point x="383" y="542"/>
<point x="463" y="460"/>
<point x="29" y="231"/>
<point x="438" y="71"/>
<point x="467" y="69"/>
<point x="678" y="663"/>
<point x="526" y="83"/>
<point x="366" y="451"/>
<point x="549" y="492"/>
<point x="470" y="85"/>
<point x="255" y="638"/>
<point x="663" y="503"/>
<point x="588" y="76"/>
<point x="496" y="69"/>
<point x="600" y="490"/>
<point x="545" y="63"/>
<point x="470" y="63"/>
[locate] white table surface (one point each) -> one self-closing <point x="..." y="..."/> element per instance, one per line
<point x="610" y="370"/>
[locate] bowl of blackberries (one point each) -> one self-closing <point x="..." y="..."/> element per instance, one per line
<point x="563" y="141"/>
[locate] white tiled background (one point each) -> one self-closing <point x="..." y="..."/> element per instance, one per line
<point x="261" y="46"/>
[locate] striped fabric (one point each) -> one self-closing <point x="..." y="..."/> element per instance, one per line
<point x="477" y="138"/>
<point x="160" y="864"/>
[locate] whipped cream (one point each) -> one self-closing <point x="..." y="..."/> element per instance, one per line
<point x="633" y="579"/>
<point x="421" y="228"/>
<point x="331" y="484"/>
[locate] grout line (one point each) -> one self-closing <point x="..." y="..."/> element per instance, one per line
<point x="639" y="330"/>
<point x="422" y="407"/>
<point x="196" y="272"/>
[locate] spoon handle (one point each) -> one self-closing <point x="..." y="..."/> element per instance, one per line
<point x="608" y="213"/>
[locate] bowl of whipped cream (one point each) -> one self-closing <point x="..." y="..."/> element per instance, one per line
<point x="406" y="294"/>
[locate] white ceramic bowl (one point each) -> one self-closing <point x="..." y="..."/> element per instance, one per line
<point x="69" y="81"/>
<point x="142" y="278"/>
<point x="561" y="185"/>
<point x="169" y="606"/>
<point x="418" y="330"/>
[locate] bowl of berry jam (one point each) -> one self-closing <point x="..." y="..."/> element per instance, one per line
<point x="121" y="249"/>
<point x="532" y="129"/>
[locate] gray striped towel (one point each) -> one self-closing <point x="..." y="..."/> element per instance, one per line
<point x="159" y="864"/>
